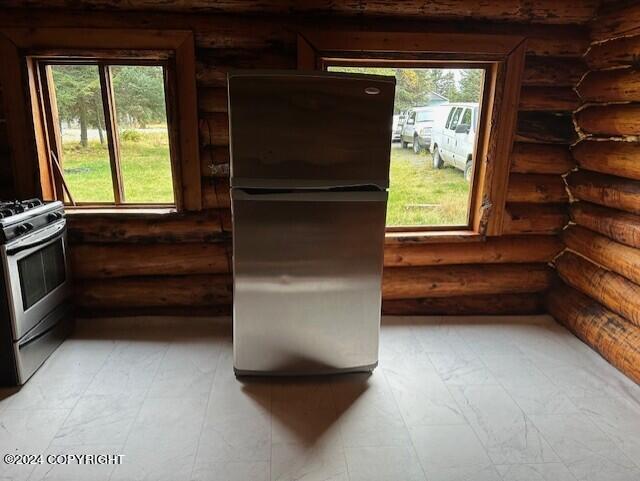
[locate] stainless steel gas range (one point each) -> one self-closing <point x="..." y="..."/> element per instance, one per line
<point x="35" y="286"/>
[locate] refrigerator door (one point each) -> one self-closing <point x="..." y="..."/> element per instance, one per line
<point x="310" y="129"/>
<point x="307" y="281"/>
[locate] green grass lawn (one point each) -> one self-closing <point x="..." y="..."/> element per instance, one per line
<point x="145" y="164"/>
<point x="422" y="195"/>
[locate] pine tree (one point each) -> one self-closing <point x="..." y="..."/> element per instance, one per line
<point x="470" y="85"/>
<point x="78" y="96"/>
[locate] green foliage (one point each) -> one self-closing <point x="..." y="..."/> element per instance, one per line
<point x="130" y="135"/>
<point x="78" y="96"/>
<point x="470" y="87"/>
<point x="139" y="94"/>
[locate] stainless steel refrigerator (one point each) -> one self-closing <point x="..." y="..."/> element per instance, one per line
<point x="309" y="179"/>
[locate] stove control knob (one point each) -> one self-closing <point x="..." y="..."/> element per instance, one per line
<point x="22" y="229"/>
<point x="53" y="216"/>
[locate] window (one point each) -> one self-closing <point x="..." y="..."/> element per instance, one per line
<point x="113" y="113"/>
<point x="454" y="120"/>
<point x="112" y="144"/>
<point x="466" y="118"/>
<point x="493" y="62"/>
<point x="432" y="154"/>
<point x="448" y="125"/>
<point x="425" y="116"/>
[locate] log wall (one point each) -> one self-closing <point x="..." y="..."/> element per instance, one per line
<point x="6" y="183"/>
<point x="156" y="262"/>
<point x="599" y="298"/>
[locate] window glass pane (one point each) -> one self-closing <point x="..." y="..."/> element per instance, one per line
<point x="85" y="153"/>
<point x="141" y="112"/>
<point x="466" y="117"/>
<point x="424" y="115"/>
<point x="454" y="121"/>
<point x="431" y="163"/>
<point x="449" y="118"/>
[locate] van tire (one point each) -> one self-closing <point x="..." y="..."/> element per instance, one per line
<point x="468" y="171"/>
<point x="416" y="145"/>
<point x="437" y="160"/>
<point x="403" y="144"/>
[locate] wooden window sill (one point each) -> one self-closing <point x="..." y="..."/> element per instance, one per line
<point x="433" y="237"/>
<point x="128" y="211"/>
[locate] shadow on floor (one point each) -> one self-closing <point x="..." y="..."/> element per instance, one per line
<point x="306" y="408"/>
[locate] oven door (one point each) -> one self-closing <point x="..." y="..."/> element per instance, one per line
<point x="37" y="275"/>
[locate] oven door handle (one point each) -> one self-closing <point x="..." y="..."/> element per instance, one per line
<point x="59" y="229"/>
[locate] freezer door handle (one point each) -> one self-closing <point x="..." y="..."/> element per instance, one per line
<point x="311" y="196"/>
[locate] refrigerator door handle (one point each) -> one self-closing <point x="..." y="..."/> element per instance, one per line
<point x="311" y="196"/>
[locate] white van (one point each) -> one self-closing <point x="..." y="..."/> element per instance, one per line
<point x="453" y="136"/>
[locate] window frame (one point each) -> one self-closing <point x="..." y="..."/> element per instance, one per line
<point x="24" y="48"/>
<point x="46" y="90"/>
<point x="503" y="58"/>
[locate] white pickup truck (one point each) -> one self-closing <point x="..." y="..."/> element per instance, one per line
<point x="417" y="128"/>
<point x="453" y="136"/>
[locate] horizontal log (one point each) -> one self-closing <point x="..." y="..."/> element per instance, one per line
<point x="216" y="194"/>
<point x="213" y="65"/>
<point x="542" y="11"/>
<point x="492" y="250"/>
<point x="536" y="188"/>
<point x="98" y="261"/>
<point x="613" y="337"/>
<point x="610" y="289"/>
<point x="208" y="76"/>
<point x="616" y="21"/>
<point x="610" y="120"/>
<point x="92" y="314"/>
<point x="212" y="100"/>
<point x="244" y="33"/>
<point x="530" y="158"/>
<point x="445" y="281"/>
<point x="607" y="190"/>
<point x="567" y="41"/>
<point x="553" y="72"/>
<point x="609" y="157"/>
<point x="214" y="129"/>
<point x="502" y="304"/>
<point x="545" y="127"/>
<point x="617" y="225"/>
<point x="215" y="161"/>
<point x="206" y="226"/>
<point x="621" y="52"/>
<point x="525" y="218"/>
<point x="554" y="99"/>
<point x="160" y="291"/>
<point x="619" y="85"/>
<point x="619" y="258"/>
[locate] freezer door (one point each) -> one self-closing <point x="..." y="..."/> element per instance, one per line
<point x="307" y="281"/>
<point x="314" y="129"/>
